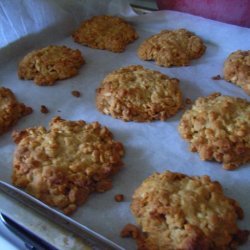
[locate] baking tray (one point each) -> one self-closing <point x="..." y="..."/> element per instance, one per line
<point x="150" y="147"/>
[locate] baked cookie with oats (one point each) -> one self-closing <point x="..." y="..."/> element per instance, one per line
<point x="62" y="165"/>
<point x="172" y="48"/>
<point x="177" y="211"/>
<point x="105" y="32"/>
<point x="49" y="64"/>
<point x="237" y="69"/>
<point x="10" y="109"/>
<point x="218" y="128"/>
<point x="134" y="93"/>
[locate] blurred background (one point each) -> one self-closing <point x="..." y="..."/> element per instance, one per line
<point x="229" y="11"/>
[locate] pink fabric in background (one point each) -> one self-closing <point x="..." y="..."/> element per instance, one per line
<point x="228" y="11"/>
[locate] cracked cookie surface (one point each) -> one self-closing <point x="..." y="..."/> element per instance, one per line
<point x="64" y="164"/>
<point x="10" y="109"/>
<point x="47" y="65"/>
<point x="105" y="32"/>
<point x="217" y="127"/>
<point x="176" y="211"/>
<point x="172" y="48"/>
<point x="134" y="93"/>
<point x="237" y="69"/>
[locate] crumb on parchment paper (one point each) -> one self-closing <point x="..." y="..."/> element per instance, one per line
<point x="217" y="77"/>
<point x="44" y="109"/>
<point x="132" y="231"/>
<point x="188" y="101"/>
<point x="76" y="93"/>
<point x="119" y="197"/>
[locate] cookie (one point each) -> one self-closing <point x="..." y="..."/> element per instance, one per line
<point x="134" y="93"/>
<point x="10" y="109"/>
<point x="217" y="127"/>
<point x="237" y="69"/>
<point x="105" y="32"/>
<point x="172" y="48"/>
<point x="176" y="211"/>
<point x="49" y="64"/>
<point x="62" y="165"/>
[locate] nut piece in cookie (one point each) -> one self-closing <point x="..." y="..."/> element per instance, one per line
<point x="237" y="69"/>
<point x="49" y="64"/>
<point x="217" y="127"/>
<point x="176" y="211"/>
<point x="134" y="93"/>
<point x="105" y="32"/>
<point x="10" y="109"/>
<point x="64" y="164"/>
<point x="172" y="48"/>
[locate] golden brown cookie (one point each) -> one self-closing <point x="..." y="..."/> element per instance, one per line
<point x="64" y="164"/>
<point x="10" y="109"/>
<point x="176" y="211"/>
<point x="134" y="93"/>
<point x="217" y="127"/>
<point x="237" y="69"/>
<point x="49" y="64"/>
<point x="172" y="48"/>
<point x="105" y="32"/>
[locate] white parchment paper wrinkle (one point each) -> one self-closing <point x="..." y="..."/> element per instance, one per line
<point x="150" y="147"/>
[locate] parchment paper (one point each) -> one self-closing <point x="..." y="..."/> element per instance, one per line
<point x="150" y="147"/>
